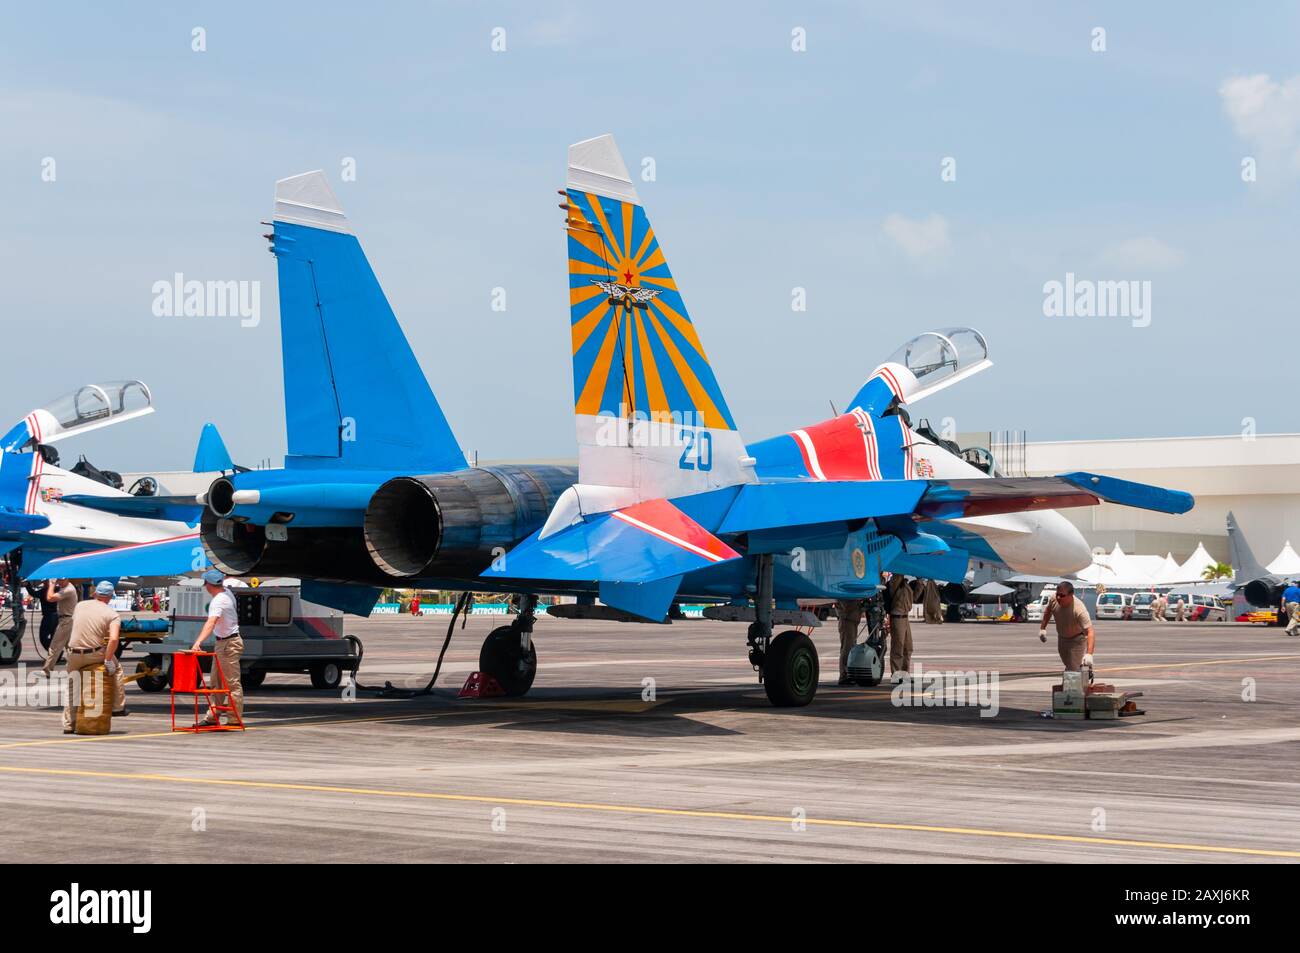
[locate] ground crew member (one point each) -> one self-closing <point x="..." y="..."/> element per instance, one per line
<point x="1291" y="606"/>
<point x="94" y="638"/>
<point x="899" y="598"/>
<point x="49" y="614"/>
<point x="933" y="604"/>
<point x="849" y="613"/>
<point x="64" y="596"/>
<point x="223" y="623"/>
<point x="1164" y="607"/>
<point x="1180" y="613"/>
<point x="1075" y="638"/>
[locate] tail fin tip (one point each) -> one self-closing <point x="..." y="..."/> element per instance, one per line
<point x="596" y="166"/>
<point x="211" y="454"/>
<point x="307" y="199"/>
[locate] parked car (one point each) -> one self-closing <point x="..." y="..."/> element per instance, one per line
<point x="1114" y="605"/>
<point x="1034" y="611"/>
<point x="1200" y="607"/>
<point x="1142" y="605"/>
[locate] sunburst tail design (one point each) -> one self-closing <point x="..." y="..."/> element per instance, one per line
<point x="650" y="412"/>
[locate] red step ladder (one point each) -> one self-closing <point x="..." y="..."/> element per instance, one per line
<point x="187" y="679"/>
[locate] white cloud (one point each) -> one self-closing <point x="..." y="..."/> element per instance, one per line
<point x="1265" y="113"/>
<point x="919" y="239"/>
<point x="1147" y="253"/>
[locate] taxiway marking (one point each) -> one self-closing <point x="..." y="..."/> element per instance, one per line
<point x="644" y="810"/>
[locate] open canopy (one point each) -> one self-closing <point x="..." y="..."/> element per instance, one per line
<point x="87" y="408"/>
<point x="936" y="359"/>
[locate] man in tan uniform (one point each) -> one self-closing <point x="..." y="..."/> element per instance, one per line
<point x="899" y="598"/>
<point x="849" y="613"/>
<point x="64" y="595"/>
<point x="95" y="631"/>
<point x="1075" y="638"/>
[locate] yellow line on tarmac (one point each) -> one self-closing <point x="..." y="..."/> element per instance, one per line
<point x="1218" y="661"/>
<point x="654" y="811"/>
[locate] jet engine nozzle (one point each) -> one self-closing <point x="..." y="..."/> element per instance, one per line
<point x="455" y="524"/>
<point x="221" y="497"/>
<point x="1263" y="594"/>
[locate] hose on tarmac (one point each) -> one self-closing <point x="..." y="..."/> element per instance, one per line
<point x="389" y="690"/>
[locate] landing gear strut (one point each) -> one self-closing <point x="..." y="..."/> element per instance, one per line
<point x="867" y="659"/>
<point x="787" y="664"/>
<point x="508" y="653"/>
<point x="13" y="621"/>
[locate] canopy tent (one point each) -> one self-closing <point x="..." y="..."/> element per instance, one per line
<point x="1194" y="569"/>
<point x="1120" y="570"/>
<point x="1287" y="562"/>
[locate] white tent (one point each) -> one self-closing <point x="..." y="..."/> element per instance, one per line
<point x="1287" y="562"/>
<point x="1117" y="569"/>
<point x="1194" y="569"/>
<point x="1169" y="572"/>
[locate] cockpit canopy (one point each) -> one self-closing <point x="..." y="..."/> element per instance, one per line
<point x="937" y="359"/>
<point x="87" y="408"/>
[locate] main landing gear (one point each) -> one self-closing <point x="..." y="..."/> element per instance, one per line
<point x="787" y="664"/>
<point x="508" y="653"/>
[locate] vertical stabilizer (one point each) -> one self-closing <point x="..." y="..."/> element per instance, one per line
<point x="651" y="416"/>
<point x="354" y="394"/>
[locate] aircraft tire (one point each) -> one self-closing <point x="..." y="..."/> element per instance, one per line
<point x="253" y="678"/>
<point x="503" y="659"/>
<point x="791" y="670"/>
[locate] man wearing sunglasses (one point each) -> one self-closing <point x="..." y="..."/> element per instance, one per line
<point x="1075" y="638"/>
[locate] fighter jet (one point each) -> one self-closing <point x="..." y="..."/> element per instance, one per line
<point x="667" y="502"/>
<point x="48" y="512"/>
<point x="1259" y="587"/>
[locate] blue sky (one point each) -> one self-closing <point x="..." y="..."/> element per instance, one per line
<point x="775" y="169"/>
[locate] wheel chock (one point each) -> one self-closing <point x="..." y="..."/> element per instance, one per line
<point x="481" y="685"/>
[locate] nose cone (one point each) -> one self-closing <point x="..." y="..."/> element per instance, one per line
<point x="1059" y="548"/>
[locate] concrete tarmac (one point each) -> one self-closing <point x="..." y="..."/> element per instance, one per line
<point x="655" y="743"/>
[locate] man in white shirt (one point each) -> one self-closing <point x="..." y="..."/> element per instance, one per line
<point x="223" y="623"/>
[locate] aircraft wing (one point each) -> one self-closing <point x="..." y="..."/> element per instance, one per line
<point x="655" y="541"/>
<point x="173" y="556"/>
<point x="183" y="509"/>
<point x="798" y="503"/>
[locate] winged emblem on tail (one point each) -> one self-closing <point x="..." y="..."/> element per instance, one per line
<point x="629" y="296"/>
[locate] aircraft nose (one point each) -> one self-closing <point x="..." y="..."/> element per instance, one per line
<point x="1062" y="548"/>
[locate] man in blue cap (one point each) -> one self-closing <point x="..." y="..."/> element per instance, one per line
<point x="95" y="631"/>
<point x="223" y="623"/>
<point x="1291" y="607"/>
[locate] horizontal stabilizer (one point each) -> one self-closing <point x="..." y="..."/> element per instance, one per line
<point x="641" y="543"/>
<point x="183" y="509"/>
<point x="174" y="556"/>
